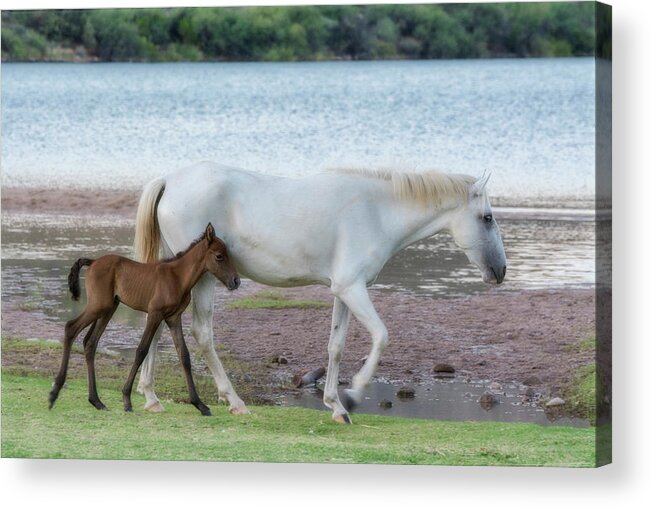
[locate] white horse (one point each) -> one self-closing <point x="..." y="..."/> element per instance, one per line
<point x="336" y="228"/>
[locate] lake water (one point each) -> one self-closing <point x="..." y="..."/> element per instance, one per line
<point x="530" y="122"/>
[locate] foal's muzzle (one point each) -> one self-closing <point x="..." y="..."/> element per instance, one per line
<point x="233" y="283"/>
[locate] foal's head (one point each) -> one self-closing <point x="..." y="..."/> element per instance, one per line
<point x="217" y="260"/>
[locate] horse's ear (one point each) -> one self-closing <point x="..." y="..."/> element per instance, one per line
<point x="210" y="233"/>
<point x="479" y="185"/>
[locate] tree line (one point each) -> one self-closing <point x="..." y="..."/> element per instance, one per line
<point x="302" y="32"/>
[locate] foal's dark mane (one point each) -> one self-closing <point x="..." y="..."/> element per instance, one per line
<point x="181" y="254"/>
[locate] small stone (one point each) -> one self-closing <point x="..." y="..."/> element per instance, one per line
<point x="529" y="394"/>
<point x="385" y="404"/>
<point x="282" y="360"/>
<point x="555" y="402"/>
<point x="481" y="363"/>
<point x="495" y="387"/>
<point x="488" y="400"/>
<point x="443" y="368"/>
<point x="275" y="333"/>
<point x="406" y="392"/>
<point x="532" y="381"/>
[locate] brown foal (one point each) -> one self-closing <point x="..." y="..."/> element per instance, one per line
<point x="160" y="289"/>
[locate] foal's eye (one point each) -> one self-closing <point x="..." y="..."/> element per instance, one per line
<point x="219" y="257"/>
<point x="488" y="218"/>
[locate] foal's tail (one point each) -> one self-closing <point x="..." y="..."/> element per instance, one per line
<point x="73" y="277"/>
<point x="147" y="240"/>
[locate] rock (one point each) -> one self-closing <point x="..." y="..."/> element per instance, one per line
<point x="406" y="392"/>
<point x="495" y="387"/>
<point x="278" y="359"/>
<point x="481" y="363"/>
<point x="443" y="368"/>
<point x="532" y="381"/>
<point x="488" y="400"/>
<point x="385" y="404"/>
<point x="529" y="394"/>
<point x="555" y="402"/>
<point x="306" y="378"/>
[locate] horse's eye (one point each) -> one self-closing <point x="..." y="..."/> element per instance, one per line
<point x="219" y="257"/>
<point x="488" y="218"/>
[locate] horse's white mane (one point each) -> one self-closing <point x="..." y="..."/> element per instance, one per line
<point x="429" y="187"/>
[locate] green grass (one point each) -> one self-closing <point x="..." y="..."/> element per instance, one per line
<point x="272" y="300"/>
<point x="74" y="429"/>
<point x="580" y="396"/>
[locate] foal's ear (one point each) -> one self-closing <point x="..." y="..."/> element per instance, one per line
<point x="210" y="233"/>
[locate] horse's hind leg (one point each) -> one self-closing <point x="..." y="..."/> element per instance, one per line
<point x="73" y="328"/>
<point x="184" y="356"/>
<point x="153" y="321"/>
<point x="146" y="383"/>
<point x="90" y="349"/>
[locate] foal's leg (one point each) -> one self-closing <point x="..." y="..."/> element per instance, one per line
<point x="73" y="328"/>
<point x="184" y="356"/>
<point x="146" y="383"/>
<point x="357" y="299"/>
<point x="90" y="349"/>
<point x="338" y="330"/>
<point x="153" y="321"/>
<point x="202" y="312"/>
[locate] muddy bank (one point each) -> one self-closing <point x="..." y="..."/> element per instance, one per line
<point x="500" y="335"/>
<point x="92" y="202"/>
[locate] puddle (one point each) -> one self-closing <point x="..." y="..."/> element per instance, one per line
<point x="444" y="400"/>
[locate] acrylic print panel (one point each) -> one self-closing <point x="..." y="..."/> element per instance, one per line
<point x="359" y="133"/>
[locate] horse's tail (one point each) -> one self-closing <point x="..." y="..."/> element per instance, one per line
<point x="147" y="240"/>
<point x="73" y="277"/>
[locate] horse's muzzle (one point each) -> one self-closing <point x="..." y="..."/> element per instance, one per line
<point x="498" y="275"/>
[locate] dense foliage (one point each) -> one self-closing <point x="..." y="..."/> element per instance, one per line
<point x="302" y="32"/>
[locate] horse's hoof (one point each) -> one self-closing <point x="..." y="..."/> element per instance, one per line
<point x="342" y="419"/>
<point x="239" y="410"/>
<point x="155" y="407"/>
<point x="206" y="412"/>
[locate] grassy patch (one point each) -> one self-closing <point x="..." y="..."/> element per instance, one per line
<point x="40" y="358"/>
<point x="272" y="300"/>
<point x="580" y="395"/>
<point x="73" y="429"/>
<point x="586" y="345"/>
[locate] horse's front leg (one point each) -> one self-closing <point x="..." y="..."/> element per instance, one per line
<point x="202" y="312"/>
<point x="146" y="382"/>
<point x="358" y="301"/>
<point x="338" y="330"/>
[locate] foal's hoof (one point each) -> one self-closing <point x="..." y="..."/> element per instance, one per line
<point x="155" y="407"/>
<point x="206" y="412"/>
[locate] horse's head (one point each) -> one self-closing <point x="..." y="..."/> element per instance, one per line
<point x="218" y="262"/>
<point x="475" y="230"/>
